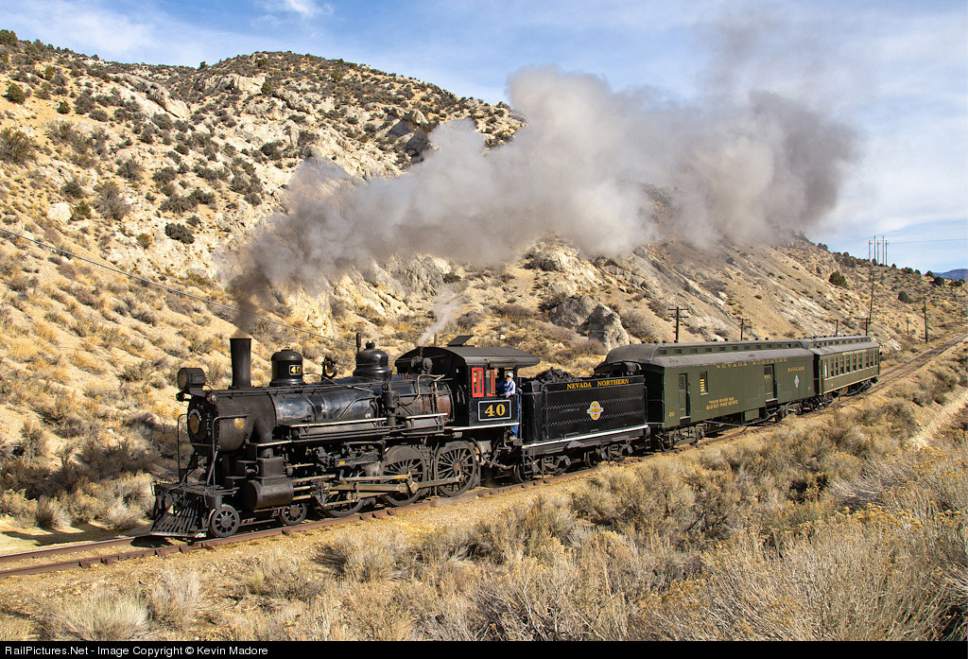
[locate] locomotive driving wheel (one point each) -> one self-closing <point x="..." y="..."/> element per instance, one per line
<point x="224" y="521"/>
<point x="456" y="460"/>
<point x="404" y="460"/>
<point x="343" y="509"/>
<point x="293" y="514"/>
<point x="523" y="471"/>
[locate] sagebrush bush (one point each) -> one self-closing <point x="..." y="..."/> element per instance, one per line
<point x="111" y="202"/>
<point x="99" y="616"/>
<point x="15" y="146"/>
<point x="175" y="598"/>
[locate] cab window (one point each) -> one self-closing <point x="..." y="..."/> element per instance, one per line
<point x="477" y="382"/>
<point x="492" y="382"/>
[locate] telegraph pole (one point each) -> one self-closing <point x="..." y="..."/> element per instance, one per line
<point x="742" y="328"/>
<point x="679" y="312"/>
<point x="837" y="328"/>
<point x="875" y="244"/>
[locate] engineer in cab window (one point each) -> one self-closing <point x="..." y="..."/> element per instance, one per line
<point x="509" y="388"/>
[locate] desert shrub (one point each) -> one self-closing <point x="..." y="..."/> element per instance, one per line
<point x="175" y="598"/>
<point x="15" y="93"/>
<point x="364" y="559"/>
<point x="99" y="616"/>
<point x="63" y="108"/>
<point x="130" y="169"/>
<point x="15" y="503"/>
<point x="15" y="146"/>
<point x="585" y="348"/>
<point x="533" y="530"/>
<point x="84" y="103"/>
<point x="281" y="576"/>
<point x="513" y="311"/>
<point x="80" y="211"/>
<point x="470" y="319"/>
<point x="50" y="514"/>
<point x="72" y="189"/>
<point x="179" y="232"/>
<point x="838" y="279"/>
<point x="842" y="581"/>
<point x="904" y="297"/>
<point x="8" y="38"/>
<point x="33" y="441"/>
<point x="638" y="324"/>
<point x="164" y="176"/>
<point x="111" y="202"/>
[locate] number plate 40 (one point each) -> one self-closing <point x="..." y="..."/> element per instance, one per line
<point x="493" y="410"/>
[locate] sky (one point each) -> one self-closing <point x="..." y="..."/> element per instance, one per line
<point x="896" y="72"/>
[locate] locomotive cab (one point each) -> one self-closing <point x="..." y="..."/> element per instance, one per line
<point x="475" y="376"/>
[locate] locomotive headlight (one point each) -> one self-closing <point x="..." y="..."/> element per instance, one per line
<point x="190" y="378"/>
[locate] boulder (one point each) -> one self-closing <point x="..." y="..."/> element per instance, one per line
<point x="401" y="128"/>
<point x="417" y="144"/>
<point x="174" y="107"/>
<point x="59" y="212"/>
<point x="604" y="325"/>
<point x="416" y="117"/>
<point x="570" y="312"/>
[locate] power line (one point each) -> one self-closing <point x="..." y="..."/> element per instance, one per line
<point x="932" y="240"/>
<point x="144" y="280"/>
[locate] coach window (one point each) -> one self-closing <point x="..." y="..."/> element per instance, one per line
<point x="702" y="383"/>
<point x="492" y="382"/>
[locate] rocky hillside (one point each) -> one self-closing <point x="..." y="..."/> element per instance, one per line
<point x="160" y="171"/>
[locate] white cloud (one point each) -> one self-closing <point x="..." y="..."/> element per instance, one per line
<point x="148" y="35"/>
<point x="303" y="8"/>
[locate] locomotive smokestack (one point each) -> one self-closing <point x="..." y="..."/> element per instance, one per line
<point x="241" y="348"/>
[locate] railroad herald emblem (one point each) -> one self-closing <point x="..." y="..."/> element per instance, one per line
<point x="595" y="410"/>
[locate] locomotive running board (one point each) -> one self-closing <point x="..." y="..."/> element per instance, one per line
<point x="383" y="488"/>
<point x="579" y="438"/>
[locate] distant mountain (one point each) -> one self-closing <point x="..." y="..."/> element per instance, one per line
<point x="958" y="273"/>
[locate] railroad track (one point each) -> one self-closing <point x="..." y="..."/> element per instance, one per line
<point x="114" y="550"/>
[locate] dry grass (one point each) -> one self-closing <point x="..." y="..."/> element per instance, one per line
<point x="103" y="616"/>
<point x="174" y="599"/>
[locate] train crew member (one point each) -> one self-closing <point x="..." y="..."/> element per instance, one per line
<point x="509" y="389"/>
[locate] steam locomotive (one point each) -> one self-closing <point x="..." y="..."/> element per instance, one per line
<point x="283" y="451"/>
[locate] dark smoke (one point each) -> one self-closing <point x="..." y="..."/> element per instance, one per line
<point x="601" y="169"/>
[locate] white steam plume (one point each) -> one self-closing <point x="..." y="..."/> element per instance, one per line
<point x="601" y="169"/>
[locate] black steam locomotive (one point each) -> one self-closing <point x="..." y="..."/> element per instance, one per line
<point x="331" y="447"/>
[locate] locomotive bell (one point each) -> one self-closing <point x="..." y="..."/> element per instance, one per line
<point x="372" y="363"/>
<point x="287" y="368"/>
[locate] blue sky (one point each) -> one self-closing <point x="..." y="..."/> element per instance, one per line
<point x="896" y="71"/>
